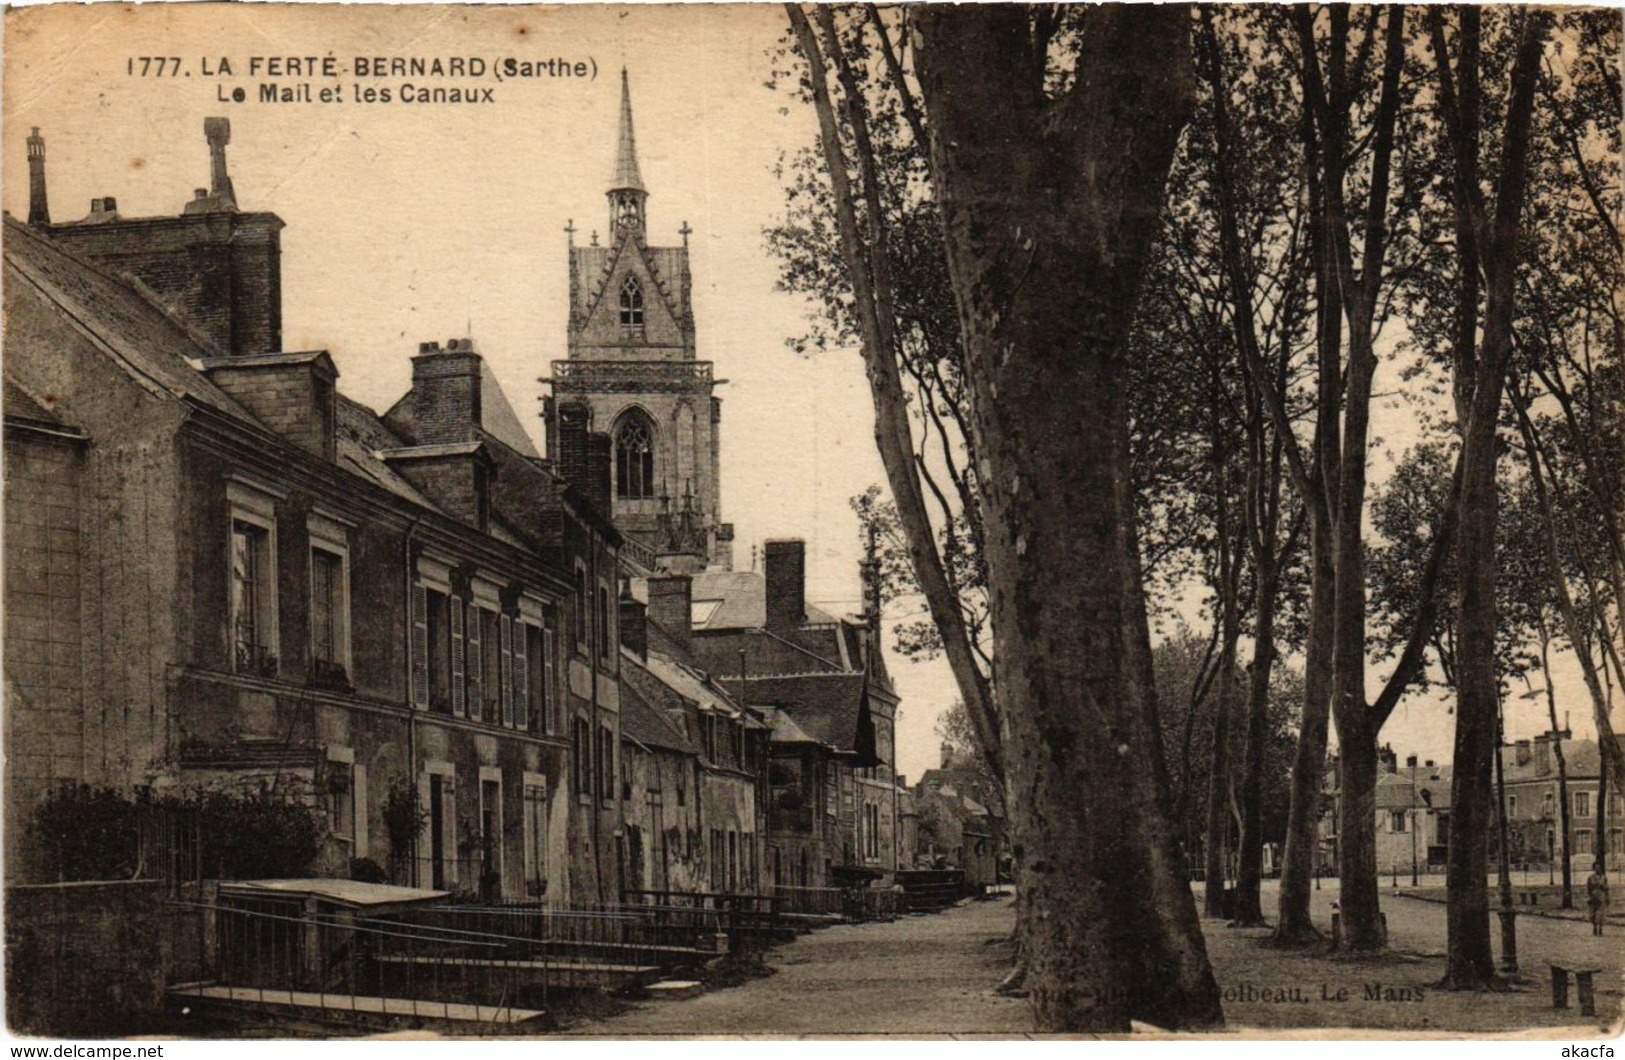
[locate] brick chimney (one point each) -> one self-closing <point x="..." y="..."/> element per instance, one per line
<point x="634" y="627"/>
<point x="447" y="459"/>
<point x="291" y="393"/>
<point x="443" y="405"/>
<point x="786" y="563"/>
<point x="600" y="457"/>
<point x="1543" y="753"/>
<point x="569" y="438"/>
<point x="671" y="606"/>
<point x="1387" y="761"/>
<point x="947" y="754"/>
<point x="1522" y="754"/>
<point x="39" y="210"/>
<point x="219" y="267"/>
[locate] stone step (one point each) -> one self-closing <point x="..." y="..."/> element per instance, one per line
<point x="450" y="1016"/>
<point x="675" y="989"/>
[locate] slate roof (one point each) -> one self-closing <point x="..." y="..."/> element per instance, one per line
<point x="1582" y="759"/>
<point x="1431" y="790"/>
<point x="646" y="723"/>
<point x="827" y="707"/>
<point x="741" y="599"/>
<point x="129" y="325"/>
<point x="163" y="353"/>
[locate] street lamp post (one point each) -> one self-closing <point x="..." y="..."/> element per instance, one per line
<point x="1414" y="881"/>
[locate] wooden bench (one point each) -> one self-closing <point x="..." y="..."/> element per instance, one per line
<point x="1583" y="978"/>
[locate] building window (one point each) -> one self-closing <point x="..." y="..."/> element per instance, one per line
<point x="341" y="799"/>
<point x="606" y="763"/>
<point x="1582" y="804"/>
<point x="253" y="599"/>
<point x="535" y="837"/>
<point x="1512" y="807"/>
<point x="606" y="639"/>
<point x="1582" y="841"/>
<point x="538" y="677"/>
<point x="1616" y="805"/>
<point x="490" y="835"/>
<point x="719" y="855"/>
<point x="329" y="618"/>
<point x="439" y="628"/>
<point x="580" y="606"/>
<point x="491" y="676"/>
<point x="635" y="456"/>
<point x="631" y="303"/>
<point x="581" y="740"/>
<point x="1396" y="821"/>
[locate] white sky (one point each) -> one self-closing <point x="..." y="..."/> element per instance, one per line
<point x="414" y="223"/>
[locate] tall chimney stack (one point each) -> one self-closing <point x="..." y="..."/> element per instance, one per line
<point x="39" y="210"/>
<point x="671" y="600"/>
<point x="786" y="563"/>
<point x="218" y="133"/>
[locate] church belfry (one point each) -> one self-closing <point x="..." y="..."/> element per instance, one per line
<point x="633" y="365"/>
<point x="627" y="195"/>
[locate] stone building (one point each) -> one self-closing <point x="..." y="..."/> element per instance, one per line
<point x="224" y="575"/>
<point x="822" y="683"/>
<point x="722" y="745"/>
<point x="1534" y="806"/>
<point x="633" y="372"/>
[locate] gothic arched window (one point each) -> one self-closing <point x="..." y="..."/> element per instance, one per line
<point x="635" y="457"/>
<point x="631" y="303"/>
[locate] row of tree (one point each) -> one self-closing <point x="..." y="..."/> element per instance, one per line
<point x="1124" y="280"/>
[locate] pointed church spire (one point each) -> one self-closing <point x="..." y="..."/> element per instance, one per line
<point x="626" y="190"/>
<point x="626" y="155"/>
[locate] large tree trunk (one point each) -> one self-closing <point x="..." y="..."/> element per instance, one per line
<point x="1298" y="866"/>
<point x="1470" y="964"/>
<point x="1049" y="208"/>
<point x="1215" y="842"/>
<point x="873" y="306"/>
<point x="1249" y="876"/>
<point x="1562" y="770"/>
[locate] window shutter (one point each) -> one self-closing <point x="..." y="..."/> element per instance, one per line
<point x="550" y="694"/>
<point x="505" y="668"/>
<point x="448" y="826"/>
<point x="359" y="779"/>
<point x="476" y="665"/>
<point x="459" y="704"/>
<point x="420" y="646"/>
<point x="523" y="717"/>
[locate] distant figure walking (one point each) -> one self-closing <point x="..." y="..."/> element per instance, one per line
<point x="1597" y="897"/>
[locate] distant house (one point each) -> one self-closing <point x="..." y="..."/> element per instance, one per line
<point x="822" y="684"/>
<point x="1412" y="815"/>
<point x="692" y="802"/>
<point x="1534" y="817"/>
<point x="961" y="822"/>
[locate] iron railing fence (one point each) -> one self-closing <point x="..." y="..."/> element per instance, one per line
<point x="588" y="944"/>
<point x="751" y="921"/>
<point x="850" y="903"/>
<point x="336" y="967"/>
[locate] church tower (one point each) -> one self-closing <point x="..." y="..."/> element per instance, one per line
<point x="632" y="364"/>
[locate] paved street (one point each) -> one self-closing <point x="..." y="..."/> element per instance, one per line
<point x="934" y="976"/>
<point x="918" y="976"/>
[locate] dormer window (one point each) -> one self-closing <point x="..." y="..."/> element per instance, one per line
<point x="631" y="303"/>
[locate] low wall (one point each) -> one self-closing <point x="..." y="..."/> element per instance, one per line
<point x="84" y="959"/>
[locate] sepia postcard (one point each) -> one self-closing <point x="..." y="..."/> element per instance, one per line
<point x="813" y="521"/>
